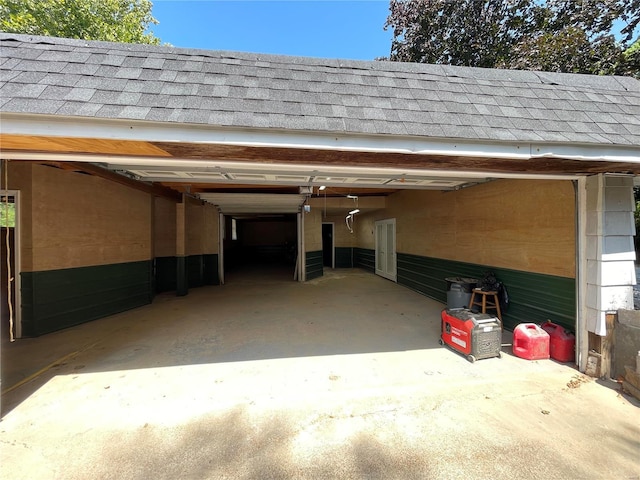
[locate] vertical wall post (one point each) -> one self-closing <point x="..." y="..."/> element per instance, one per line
<point x="610" y="254"/>
<point x="221" y="234"/>
<point x="182" y="284"/>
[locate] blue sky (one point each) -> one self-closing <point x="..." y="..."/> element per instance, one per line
<point x="321" y="28"/>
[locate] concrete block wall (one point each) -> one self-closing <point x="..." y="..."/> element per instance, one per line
<point x="610" y="253"/>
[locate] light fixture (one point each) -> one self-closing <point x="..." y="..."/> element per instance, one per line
<point x="322" y="187"/>
<point x="354" y="197"/>
<point x="353" y="212"/>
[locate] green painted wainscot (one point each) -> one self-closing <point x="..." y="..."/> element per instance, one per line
<point x="195" y="271"/>
<point x="57" y="299"/>
<point x="364" y="258"/>
<point x="344" y="257"/>
<point x="533" y="297"/>
<point x="313" y="265"/>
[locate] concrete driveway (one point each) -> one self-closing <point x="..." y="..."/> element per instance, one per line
<point x="340" y="377"/>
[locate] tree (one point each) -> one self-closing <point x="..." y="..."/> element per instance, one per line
<point x="110" y="20"/>
<point x="464" y="32"/>
<point x="557" y="35"/>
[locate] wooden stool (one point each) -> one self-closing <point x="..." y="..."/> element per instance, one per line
<point x="484" y="303"/>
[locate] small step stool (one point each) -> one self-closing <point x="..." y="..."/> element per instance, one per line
<point x="484" y="303"/>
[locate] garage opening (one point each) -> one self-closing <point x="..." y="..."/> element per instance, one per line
<point x="259" y="234"/>
<point x="259" y="246"/>
<point x="8" y="271"/>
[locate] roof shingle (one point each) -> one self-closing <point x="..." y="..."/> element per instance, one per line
<point x="45" y="75"/>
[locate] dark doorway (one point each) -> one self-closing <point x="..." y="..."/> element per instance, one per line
<point x="327" y="245"/>
<point x="260" y="244"/>
<point x="7" y="239"/>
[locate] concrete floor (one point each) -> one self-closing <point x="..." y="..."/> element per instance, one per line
<point x="340" y="377"/>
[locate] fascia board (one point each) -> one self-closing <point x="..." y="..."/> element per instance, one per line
<point x="50" y="125"/>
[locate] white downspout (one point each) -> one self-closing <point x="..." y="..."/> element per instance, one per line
<point x="302" y="273"/>
<point x="221" y="232"/>
<point x="582" y="336"/>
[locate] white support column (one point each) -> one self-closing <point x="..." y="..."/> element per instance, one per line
<point x="610" y="254"/>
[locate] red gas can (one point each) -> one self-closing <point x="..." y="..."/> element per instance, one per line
<point x="561" y="342"/>
<point x="530" y="342"/>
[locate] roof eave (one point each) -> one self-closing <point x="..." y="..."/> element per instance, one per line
<point x="145" y="131"/>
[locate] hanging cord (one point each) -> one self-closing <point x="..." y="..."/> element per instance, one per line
<point x="8" y="244"/>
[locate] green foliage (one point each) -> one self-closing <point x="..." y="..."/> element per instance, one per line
<point x="557" y="35"/>
<point x="7" y="214"/>
<point x="110" y="20"/>
<point x="632" y="60"/>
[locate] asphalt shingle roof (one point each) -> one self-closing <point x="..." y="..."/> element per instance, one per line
<point x="44" y="75"/>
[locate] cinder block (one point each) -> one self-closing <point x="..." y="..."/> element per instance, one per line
<point x="626" y="340"/>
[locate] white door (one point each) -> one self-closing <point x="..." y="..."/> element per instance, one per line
<point x="386" y="248"/>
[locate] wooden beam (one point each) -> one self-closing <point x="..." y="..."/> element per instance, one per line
<point x="91" y="169"/>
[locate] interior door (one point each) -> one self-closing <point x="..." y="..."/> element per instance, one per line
<point x="386" y="249"/>
<point x="327" y="245"/>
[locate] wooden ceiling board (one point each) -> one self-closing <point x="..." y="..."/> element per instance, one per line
<point x="80" y="145"/>
<point x="268" y="155"/>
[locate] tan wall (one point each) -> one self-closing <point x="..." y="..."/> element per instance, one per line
<point x="194" y="221"/>
<point x="200" y="234"/>
<point x="20" y="178"/>
<point x="313" y="230"/>
<point x="210" y="229"/>
<point x="343" y="238"/>
<point x="164" y="227"/>
<point x="81" y="220"/>
<point x="518" y="224"/>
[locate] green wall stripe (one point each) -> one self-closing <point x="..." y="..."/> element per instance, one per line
<point x="165" y="274"/>
<point x="210" y="269"/>
<point x="182" y="279"/>
<point x="200" y="270"/>
<point x="57" y="299"/>
<point x="344" y="257"/>
<point x="195" y="271"/>
<point x="533" y="297"/>
<point x="364" y="258"/>
<point x="313" y="264"/>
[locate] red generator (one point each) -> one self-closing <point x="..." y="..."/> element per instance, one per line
<point x="476" y="335"/>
